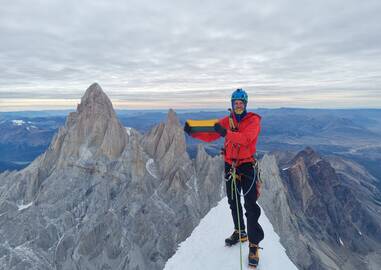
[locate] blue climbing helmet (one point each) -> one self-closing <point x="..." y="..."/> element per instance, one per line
<point x="240" y="94"/>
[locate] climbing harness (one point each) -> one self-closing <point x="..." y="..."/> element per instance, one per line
<point x="257" y="180"/>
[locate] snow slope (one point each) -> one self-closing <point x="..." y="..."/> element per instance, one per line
<point x="205" y="248"/>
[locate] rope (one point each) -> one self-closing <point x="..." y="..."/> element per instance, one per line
<point x="234" y="183"/>
<point x="251" y="186"/>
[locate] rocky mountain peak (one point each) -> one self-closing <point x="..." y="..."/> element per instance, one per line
<point x="95" y="101"/>
<point x="309" y="176"/>
<point x="166" y="142"/>
<point x="92" y="132"/>
<point x="93" y="91"/>
<point x="172" y="119"/>
<point x="308" y="155"/>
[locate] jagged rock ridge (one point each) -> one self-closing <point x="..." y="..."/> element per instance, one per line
<point x="100" y="198"/>
<point x="327" y="215"/>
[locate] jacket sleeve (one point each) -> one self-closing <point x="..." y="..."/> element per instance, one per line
<point x="246" y="136"/>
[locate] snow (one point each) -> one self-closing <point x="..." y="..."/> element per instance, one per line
<point x="85" y="153"/>
<point x="18" y="122"/>
<point x="151" y="168"/>
<point x="341" y="242"/>
<point x="128" y="129"/>
<point x="285" y="169"/>
<point x="205" y="248"/>
<point x="29" y="128"/>
<point x="24" y="206"/>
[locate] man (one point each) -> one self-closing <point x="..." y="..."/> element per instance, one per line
<point x="240" y="130"/>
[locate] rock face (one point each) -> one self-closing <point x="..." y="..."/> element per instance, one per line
<point x="327" y="216"/>
<point x="92" y="132"/>
<point x="103" y="197"/>
<point x="166" y="142"/>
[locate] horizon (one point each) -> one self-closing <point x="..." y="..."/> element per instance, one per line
<point x="189" y="109"/>
<point x="183" y="55"/>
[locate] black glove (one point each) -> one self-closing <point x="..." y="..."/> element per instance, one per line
<point x="187" y="128"/>
<point x="220" y="129"/>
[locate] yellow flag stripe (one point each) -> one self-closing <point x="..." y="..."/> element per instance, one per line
<point x="202" y="123"/>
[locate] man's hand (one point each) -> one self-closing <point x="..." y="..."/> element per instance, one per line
<point x="220" y="129"/>
<point x="187" y="128"/>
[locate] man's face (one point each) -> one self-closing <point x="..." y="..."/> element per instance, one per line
<point x="239" y="105"/>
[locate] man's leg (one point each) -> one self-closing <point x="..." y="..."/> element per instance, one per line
<point x="232" y="200"/>
<point x="253" y="211"/>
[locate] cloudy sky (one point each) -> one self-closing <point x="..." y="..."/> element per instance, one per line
<point x="190" y="54"/>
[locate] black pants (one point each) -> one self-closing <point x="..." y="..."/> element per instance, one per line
<point x="247" y="184"/>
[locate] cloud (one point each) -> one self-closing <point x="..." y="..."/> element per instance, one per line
<point x="283" y="52"/>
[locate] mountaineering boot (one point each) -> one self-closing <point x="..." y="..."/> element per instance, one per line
<point x="253" y="255"/>
<point x="234" y="238"/>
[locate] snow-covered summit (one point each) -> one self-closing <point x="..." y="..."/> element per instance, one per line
<point x="205" y="249"/>
<point x="18" y="122"/>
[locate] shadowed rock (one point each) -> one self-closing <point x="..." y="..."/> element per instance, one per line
<point x="325" y="216"/>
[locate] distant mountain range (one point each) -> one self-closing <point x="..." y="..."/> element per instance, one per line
<point x="354" y="134"/>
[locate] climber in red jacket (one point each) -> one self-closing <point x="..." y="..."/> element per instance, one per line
<point x="241" y="130"/>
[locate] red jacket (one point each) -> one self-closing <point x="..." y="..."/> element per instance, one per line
<point x="240" y="146"/>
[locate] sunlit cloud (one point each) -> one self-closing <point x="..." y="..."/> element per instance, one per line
<point x="12" y="104"/>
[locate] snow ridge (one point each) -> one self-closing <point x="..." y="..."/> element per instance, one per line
<point x="152" y="168"/>
<point x="205" y="249"/>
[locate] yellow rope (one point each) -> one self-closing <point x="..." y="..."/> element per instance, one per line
<point x="234" y="189"/>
